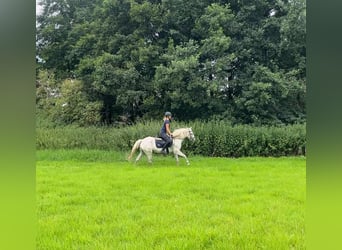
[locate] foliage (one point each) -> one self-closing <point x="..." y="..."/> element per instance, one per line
<point x="46" y="92"/>
<point x="65" y="104"/>
<point x="73" y="105"/>
<point x="272" y="98"/>
<point x="242" y="60"/>
<point x="212" y="138"/>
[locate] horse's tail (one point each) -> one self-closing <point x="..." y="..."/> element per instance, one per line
<point x="135" y="147"/>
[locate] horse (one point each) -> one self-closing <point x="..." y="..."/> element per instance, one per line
<point x="150" y="144"/>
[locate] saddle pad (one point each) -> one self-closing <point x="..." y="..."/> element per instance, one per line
<point x="159" y="143"/>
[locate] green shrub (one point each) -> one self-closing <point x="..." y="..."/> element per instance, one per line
<point x="73" y="106"/>
<point x="217" y="139"/>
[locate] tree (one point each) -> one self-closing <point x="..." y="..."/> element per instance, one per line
<point x="293" y="38"/>
<point x="243" y="61"/>
<point x="72" y="106"/>
<point x="272" y="98"/>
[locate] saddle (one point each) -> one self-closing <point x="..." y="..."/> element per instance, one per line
<point x="160" y="142"/>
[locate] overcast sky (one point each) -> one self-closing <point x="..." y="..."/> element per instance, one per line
<point x="38" y="8"/>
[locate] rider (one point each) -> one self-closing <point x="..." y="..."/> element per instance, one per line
<point x="165" y="132"/>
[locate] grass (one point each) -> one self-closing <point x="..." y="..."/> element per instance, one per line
<point x="97" y="200"/>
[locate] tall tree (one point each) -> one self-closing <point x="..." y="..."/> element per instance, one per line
<point x="242" y="60"/>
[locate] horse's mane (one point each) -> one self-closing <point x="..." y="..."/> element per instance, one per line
<point x="179" y="132"/>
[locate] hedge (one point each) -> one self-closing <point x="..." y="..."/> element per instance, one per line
<point x="218" y="139"/>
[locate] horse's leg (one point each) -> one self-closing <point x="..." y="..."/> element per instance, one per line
<point x="149" y="156"/>
<point x="139" y="156"/>
<point x="178" y="152"/>
<point x="177" y="159"/>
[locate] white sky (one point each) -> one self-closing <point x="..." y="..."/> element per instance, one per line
<point x="38" y="8"/>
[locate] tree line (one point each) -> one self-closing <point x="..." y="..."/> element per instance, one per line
<point x="102" y="61"/>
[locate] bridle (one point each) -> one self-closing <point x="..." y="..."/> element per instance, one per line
<point x="191" y="134"/>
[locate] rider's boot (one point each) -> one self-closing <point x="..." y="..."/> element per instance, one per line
<point x="165" y="150"/>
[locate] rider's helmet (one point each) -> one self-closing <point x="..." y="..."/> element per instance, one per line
<point x="167" y="113"/>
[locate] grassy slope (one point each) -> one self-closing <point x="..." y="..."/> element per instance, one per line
<point x="96" y="200"/>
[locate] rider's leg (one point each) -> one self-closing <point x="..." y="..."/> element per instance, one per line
<point x="167" y="145"/>
<point x="168" y="142"/>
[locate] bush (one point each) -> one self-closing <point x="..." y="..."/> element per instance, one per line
<point x="217" y="139"/>
<point x="73" y="106"/>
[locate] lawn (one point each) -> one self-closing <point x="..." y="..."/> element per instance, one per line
<point x="98" y="200"/>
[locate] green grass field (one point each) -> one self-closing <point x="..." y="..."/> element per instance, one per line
<point x="98" y="200"/>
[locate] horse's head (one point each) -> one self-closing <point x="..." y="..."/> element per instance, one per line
<point x="191" y="135"/>
<point x="183" y="133"/>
